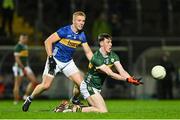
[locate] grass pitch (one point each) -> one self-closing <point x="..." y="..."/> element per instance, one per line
<point x="118" y="109"/>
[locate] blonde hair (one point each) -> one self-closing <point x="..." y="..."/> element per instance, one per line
<point x="79" y="13"/>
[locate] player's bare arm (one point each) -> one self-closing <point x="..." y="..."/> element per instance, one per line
<point x="104" y="68"/>
<point x="87" y="51"/>
<point x="121" y="70"/>
<point x="49" y="41"/>
<point x="18" y="61"/>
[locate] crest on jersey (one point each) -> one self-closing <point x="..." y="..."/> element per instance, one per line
<point x="106" y="61"/>
<point x="68" y="36"/>
<point x="80" y="38"/>
<point x="112" y="60"/>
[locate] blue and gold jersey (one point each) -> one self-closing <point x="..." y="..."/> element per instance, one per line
<point x="64" y="49"/>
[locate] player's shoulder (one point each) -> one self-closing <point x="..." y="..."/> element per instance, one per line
<point x="113" y="53"/>
<point x="65" y="28"/>
<point x="97" y="54"/>
<point x="18" y="45"/>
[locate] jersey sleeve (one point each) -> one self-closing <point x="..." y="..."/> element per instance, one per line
<point x="96" y="61"/>
<point x="116" y="57"/>
<point x="17" y="49"/>
<point x="61" y="33"/>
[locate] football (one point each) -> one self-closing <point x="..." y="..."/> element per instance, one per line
<point x="158" y="72"/>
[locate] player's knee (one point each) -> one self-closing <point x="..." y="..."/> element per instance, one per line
<point x="46" y="86"/>
<point x="103" y="111"/>
<point x="34" y="84"/>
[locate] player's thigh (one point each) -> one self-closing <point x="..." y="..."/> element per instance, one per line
<point x="72" y="72"/>
<point x="30" y="74"/>
<point x="76" y="77"/>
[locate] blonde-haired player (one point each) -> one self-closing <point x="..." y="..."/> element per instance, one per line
<point x="60" y="47"/>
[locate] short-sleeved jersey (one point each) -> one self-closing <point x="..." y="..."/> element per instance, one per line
<point x="22" y="51"/>
<point x="95" y="77"/>
<point x="64" y="49"/>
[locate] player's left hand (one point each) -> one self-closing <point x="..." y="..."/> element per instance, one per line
<point x="24" y="71"/>
<point x="52" y="65"/>
<point x="134" y="81"/>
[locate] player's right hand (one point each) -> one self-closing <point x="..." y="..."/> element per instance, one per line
<point x="52" y="65"/>
<point x="134" y="81"/>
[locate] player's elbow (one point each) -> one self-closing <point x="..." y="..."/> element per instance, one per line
<point x="46" y="42"/>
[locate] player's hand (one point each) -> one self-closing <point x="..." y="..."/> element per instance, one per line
<point x="134" y="81"/>
<point x="24" y="71"/>
<point x="52" y="65"/>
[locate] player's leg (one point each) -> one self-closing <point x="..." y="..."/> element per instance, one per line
<point x="44" y="85"/>
<point x="17" y="83"/>
<point x="76" y="93"/>
<point x="33" y="82"/>
<point x="76" y="90"/>
<point x="73" y="73"/>
<point x="97" y="104"/>
<point x="28" y="91"/>
<point x="30" y="76"/>
<point x="18" y="75"/>
<point x="93" y="97"/>
<point x="76" y="77"/>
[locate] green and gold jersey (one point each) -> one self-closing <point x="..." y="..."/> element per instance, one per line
<point x="95" y="77"/>
<point x="22" y="51"/>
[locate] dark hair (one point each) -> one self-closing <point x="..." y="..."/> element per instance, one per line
<point x="102" y="36"/>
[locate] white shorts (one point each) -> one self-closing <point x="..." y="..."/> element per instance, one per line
<point x="19" y="72"/>
<point x="67" y="68"/>
<point x="87" y="90"/>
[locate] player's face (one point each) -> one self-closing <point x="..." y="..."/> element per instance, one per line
<point x="107" y="45"/>
<point x="79" y="22"/>
<point x="24" y="39"/>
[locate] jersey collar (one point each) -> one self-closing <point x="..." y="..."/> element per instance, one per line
<point x="100" y="50"/>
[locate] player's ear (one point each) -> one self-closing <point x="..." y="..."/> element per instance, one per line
<point x="101" y="43"/>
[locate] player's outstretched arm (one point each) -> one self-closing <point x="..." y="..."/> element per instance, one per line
<point x="104" y="68"/>
<point x="121" y="70"/>
<point x="124" y="73"/>
<point x="87" y="51"/>
<point x="116" y="76"/>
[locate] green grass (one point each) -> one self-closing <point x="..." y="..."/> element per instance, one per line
<point x="124" y="109"/>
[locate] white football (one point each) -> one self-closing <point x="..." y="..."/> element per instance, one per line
<point x="158" y="72"/>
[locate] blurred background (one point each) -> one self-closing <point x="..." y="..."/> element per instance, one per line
<point x="144" y="33"/>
